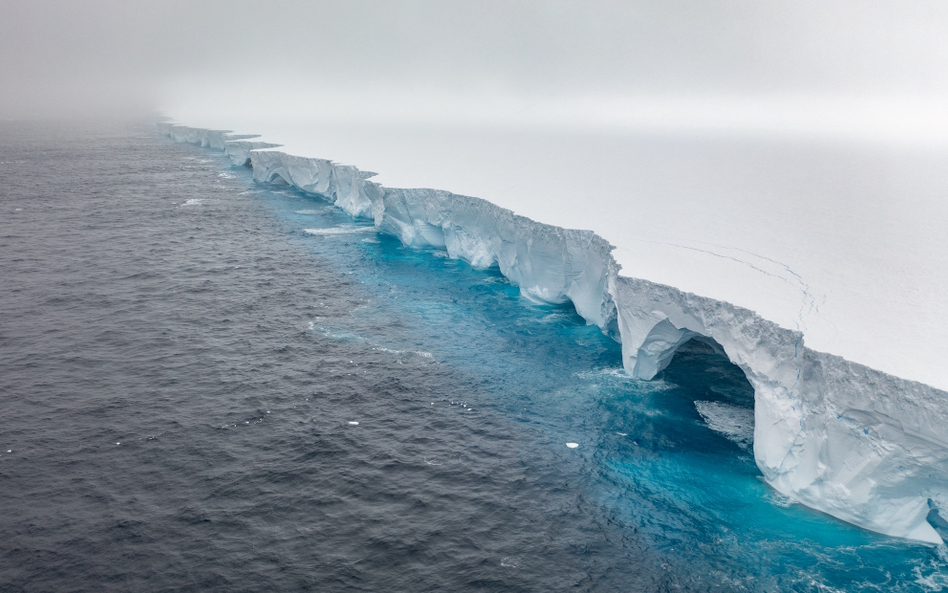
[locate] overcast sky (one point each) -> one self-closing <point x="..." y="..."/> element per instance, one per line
<point x="413" y="60"/>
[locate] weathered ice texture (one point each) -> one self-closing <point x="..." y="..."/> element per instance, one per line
<point x="856" y="443"/>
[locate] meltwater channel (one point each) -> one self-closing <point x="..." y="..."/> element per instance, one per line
<point x="213" y="384"/>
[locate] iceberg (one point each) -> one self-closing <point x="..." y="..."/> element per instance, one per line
<point x="856" y="443"/>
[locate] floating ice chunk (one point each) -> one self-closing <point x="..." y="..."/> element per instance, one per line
<point x="353" y="423"/>
<point x="507" y="562"/>
<point x="734" y="422"/>
<point x="341" y="230"/>
<point x="572" y="445"/>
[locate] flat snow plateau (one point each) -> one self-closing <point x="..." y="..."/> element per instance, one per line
<point x="846" y="243"/>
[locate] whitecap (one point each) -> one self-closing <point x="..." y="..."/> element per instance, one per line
<point x="572" y="445"/>
<point x="353" y="423"/>
<point x="337" y="334"/>
<point x="781" y="500"/>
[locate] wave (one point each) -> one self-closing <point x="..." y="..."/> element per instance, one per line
<point x="856" y="443"/>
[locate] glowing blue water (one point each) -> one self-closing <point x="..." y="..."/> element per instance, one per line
<point x="647" y="458"/>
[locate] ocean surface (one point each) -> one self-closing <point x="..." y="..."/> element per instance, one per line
<point x="208" y="384"/>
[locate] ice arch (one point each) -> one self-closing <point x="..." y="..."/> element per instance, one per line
<point x="854" y="443"/>
<point x="276" y="179"/>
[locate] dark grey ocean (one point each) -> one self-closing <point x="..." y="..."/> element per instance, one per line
<point x="209" y="384"/>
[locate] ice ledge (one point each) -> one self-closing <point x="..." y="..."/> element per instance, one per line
<point x="856" y="443"/>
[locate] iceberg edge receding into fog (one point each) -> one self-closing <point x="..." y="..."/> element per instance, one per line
<point x="859" y="444"/>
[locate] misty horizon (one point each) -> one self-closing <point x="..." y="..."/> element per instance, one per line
<point x="845" y="69"/>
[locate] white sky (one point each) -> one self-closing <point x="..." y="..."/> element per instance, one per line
<point x="854" y="67"/>
<point x="807" y="139"/>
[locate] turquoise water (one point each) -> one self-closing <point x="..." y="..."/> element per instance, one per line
<point x="647" y="459"/>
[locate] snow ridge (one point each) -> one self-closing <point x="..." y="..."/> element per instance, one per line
<point x="861" y="445"/>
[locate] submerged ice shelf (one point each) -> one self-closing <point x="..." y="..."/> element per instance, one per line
<point x="859" y="444"/>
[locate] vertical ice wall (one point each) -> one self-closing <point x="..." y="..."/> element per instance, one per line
<point x="856" y="443"/>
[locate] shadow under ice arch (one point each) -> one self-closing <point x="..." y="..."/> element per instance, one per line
<point x="832" y="434"/>
<point x="856" y="443"/>
<point x="276" y="179"/>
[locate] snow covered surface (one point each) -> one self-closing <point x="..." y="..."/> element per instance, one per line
<point x="844" y="242"/>
<point x="815" y="267"/>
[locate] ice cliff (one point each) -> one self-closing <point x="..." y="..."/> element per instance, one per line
<point x="861" y="445"/>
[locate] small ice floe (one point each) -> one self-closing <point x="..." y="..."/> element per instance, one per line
<point x="735" y="423"/>
<point x="119" y="443"/>
<point x="572" y="445"/>
<point x="340" y="230"/>
<point x="353" y="423"/>
<point x="9" y="450"/>
<point x="509" y="563"/>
